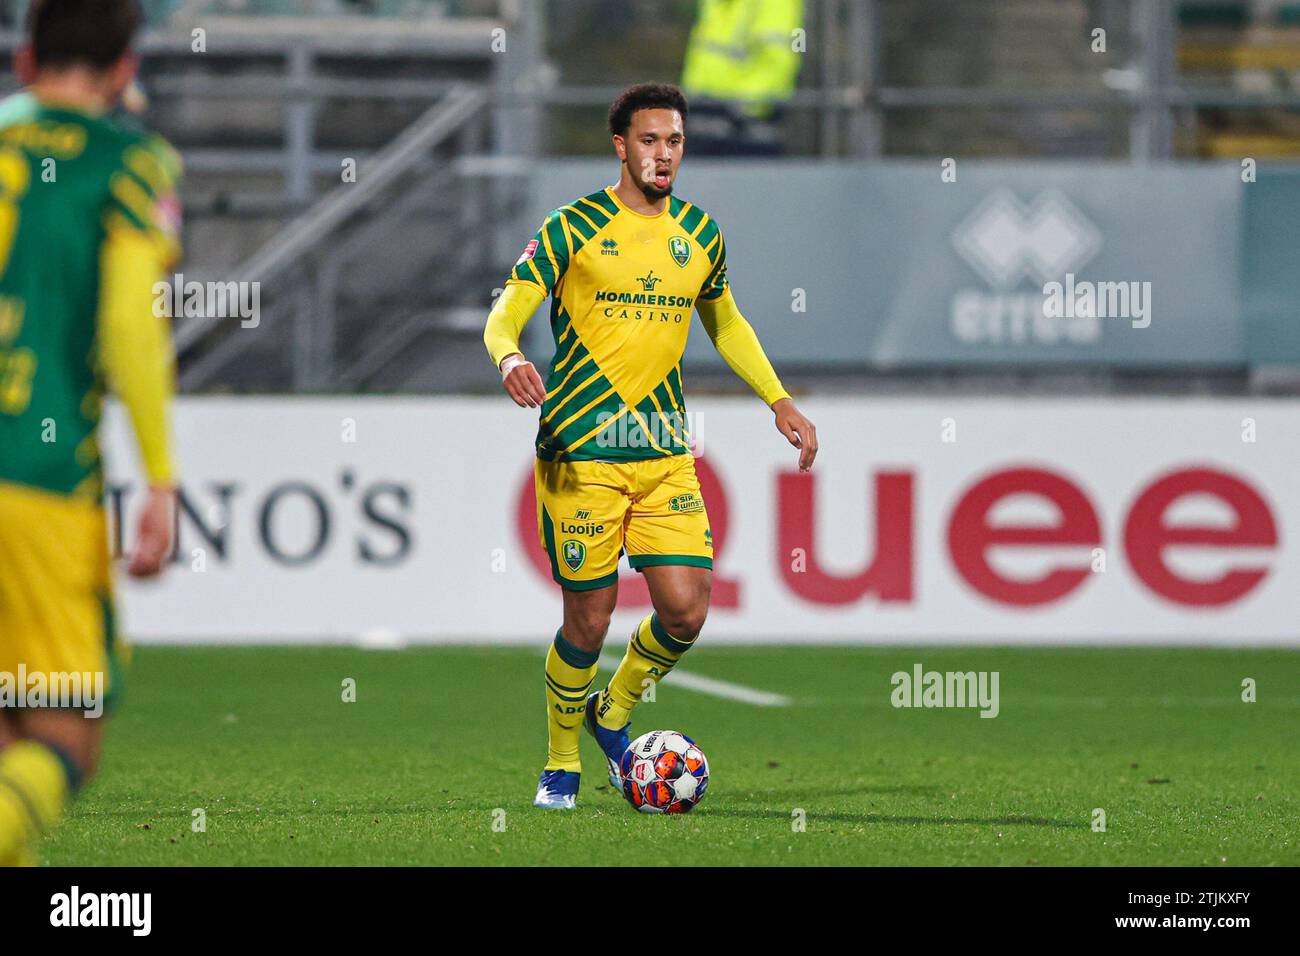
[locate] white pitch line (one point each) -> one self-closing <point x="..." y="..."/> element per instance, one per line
<point x="714" y="688"/>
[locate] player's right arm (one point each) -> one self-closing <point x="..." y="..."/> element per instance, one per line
<point x="536" y="273"/>
<point x="140" y="244"/>
<point x="505" y="324"/>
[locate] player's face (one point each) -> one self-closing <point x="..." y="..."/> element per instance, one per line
<point x="652" y="150"/>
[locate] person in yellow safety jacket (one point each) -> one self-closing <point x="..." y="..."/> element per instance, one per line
<point x="742" y="62"/>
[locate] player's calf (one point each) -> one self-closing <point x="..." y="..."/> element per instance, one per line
<point x="680" y="594"/>
<point x="652" y="653"/>
<point x="49" y="756"/>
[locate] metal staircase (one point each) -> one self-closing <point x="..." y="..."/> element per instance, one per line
<point x="383" y="285"/>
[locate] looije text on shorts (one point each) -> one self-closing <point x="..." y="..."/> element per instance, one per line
<point x="1099" y="300"/>
<point x="76" y="690"/>
<point x="192" y="299"/>
<point x="922" y="688"/>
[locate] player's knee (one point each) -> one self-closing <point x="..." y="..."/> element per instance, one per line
<point x="684" y="623"/>
<point x="585" y="629"/>
<point x="682" y="612"/>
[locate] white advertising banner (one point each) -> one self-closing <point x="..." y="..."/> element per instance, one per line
<point x="1021" y="520"/>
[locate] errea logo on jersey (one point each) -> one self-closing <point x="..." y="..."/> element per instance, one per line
<point x="680" y="249"/>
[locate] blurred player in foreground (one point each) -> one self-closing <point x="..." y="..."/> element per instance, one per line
<point x="88" y="222"/>
<point x="615" y="473"/>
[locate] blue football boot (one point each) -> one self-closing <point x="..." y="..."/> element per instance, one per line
<point x="612" y="742"/>
<point x="557" y="790"/>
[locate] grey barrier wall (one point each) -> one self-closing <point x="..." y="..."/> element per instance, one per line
<point x="1270" y="269"/>
<point x="888" y="265"/>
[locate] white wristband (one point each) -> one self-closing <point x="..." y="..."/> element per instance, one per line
<point x="511" y="362"/>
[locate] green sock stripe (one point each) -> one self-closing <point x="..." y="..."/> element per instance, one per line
<point x="573" y="656"/>
<point x="572" y="690"/>
<point x="28" y="805"/>
<point x="577" y="699"/>
<point x="650" y="655"/>
<point x="667" y="640"/>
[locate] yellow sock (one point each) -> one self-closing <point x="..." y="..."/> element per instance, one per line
<point x="34" y="789"/>
<point x="26" y="856"/>
<point x="651" y="654"/>
<point x="569" y="675"/>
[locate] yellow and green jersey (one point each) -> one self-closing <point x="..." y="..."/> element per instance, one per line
<point x="69" y="181"/>
<point x="623" y="287"/>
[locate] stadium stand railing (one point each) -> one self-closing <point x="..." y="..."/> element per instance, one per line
<point x="367" y="281"/>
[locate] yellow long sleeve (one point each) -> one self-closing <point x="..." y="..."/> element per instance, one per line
<point x="736" y="342"/>
<point x="135" y="345"/>
<point x="511" y="312"/>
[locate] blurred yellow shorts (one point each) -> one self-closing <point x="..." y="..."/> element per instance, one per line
<point x="56" y="603"/>
<point x="589" y="512"/>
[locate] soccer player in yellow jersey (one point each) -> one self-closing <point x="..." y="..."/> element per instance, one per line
<point x="624" y="267"/>
<point x="88" y="222"/>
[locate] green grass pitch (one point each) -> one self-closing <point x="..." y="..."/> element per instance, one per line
<point x="441" y="741"/>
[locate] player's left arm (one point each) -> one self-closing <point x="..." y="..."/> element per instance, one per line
<point x="738" y="344"/>
<point x="136" y="355"/>
<point x="141" y="242"/>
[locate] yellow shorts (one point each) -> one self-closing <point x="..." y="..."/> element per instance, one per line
<point x="56" y="607"/>
<point x="590" y="512"/>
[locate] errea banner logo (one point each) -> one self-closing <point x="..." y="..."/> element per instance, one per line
<point x="1005" y="240"/>
<point x="1015" y="248"/>
<point x="74" y="908"/>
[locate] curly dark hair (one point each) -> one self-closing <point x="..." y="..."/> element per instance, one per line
<point x="644" y="96"/>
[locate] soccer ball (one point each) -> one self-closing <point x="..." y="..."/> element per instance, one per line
<point x="664" y="772"/>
